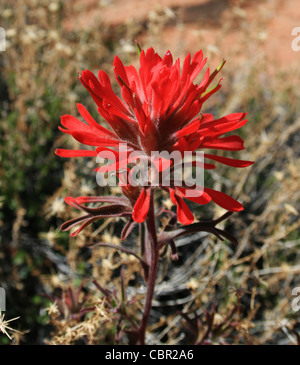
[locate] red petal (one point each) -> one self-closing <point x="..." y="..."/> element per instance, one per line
<point x="204" y="81"/>
<point x="93" y="140"/>
<point x="75" y="153"/>
<point x="203" y="197"/>
<point x="231" y="143"/>
<point x="71" y="201"/>
<point x="225" y="201"/>
<point x="168" y="59"/>
<point x="141" y="206"/>
<point x="70" y="122"/>
<point x="229" y="161"/>
<point x="184" y="215"/>
<point x="223" y="125"/>
<point x="119" y="70"/>
<point x="197" y="64"/>
<point x="85" y="78"/>
<point x="91" y="121"/>
<point x="207" y="94"/>
<point x="189" y="129"/>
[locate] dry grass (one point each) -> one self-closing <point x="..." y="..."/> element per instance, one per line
<point x="250" y="285"/>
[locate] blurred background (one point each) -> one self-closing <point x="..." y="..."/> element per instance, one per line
<point x="47" y="44"/>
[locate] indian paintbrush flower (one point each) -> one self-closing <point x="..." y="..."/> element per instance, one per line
<point x="159" y="110"/>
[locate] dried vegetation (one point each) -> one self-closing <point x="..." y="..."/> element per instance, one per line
<point x="68" y="293"/>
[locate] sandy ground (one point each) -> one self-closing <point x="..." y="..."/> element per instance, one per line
<point x="235" y="30"/>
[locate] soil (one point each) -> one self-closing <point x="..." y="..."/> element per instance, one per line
<point x="257" y="30"/>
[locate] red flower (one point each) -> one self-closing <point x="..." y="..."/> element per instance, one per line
<point x="159" y="111"/>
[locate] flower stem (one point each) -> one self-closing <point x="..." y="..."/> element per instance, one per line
<point x="154" y="257"/>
